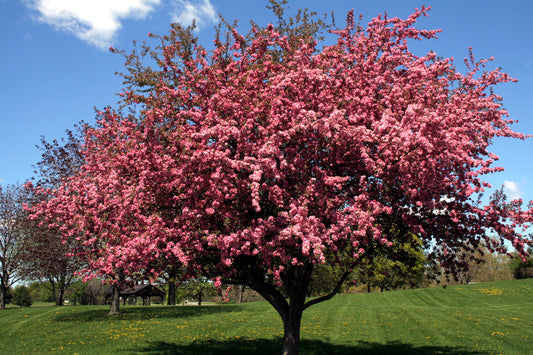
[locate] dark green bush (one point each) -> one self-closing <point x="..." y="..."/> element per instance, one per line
<point x="8" y="298"/>
<point x="22" y="296"/>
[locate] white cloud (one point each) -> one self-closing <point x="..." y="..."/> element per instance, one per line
<point x="94" y="21"/>
<point x="512" y="190"/>
<point x="200" y="10"/>
<point x="98" y="21"/>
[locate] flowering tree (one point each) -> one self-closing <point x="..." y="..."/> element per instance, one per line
<point x="268" y="156"/>
<point x="45" y="256"/>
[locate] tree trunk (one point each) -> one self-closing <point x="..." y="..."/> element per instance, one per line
<point x="3" y="293"/>
<point x="200" y="299"/>
<point x="296" y="283"/>
<point x="115" y="300"/>
<point x="240" y="293"/>
<point x="53" y="288"/>
<point x="172" y="275"/>
<point x="291" y="325"/>
<point x="59" y="297"/>
<point x="171" y="298"/>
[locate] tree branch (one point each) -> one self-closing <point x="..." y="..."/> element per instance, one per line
<point x="330" y="295"/>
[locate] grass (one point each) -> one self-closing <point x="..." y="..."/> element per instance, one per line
<point x="487" y="318"/>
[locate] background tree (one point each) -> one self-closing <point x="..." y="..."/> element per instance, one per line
<point x="197" y="289"/>
<point x="239" y="292"/>
<point x="13" y="230"/>
<point x="92" y="292"/>
<point x="522" y="268"/>
<point x="390" y="268"/>
<point x="493" y="267"/>
<point x="50" y="261"/>
<point x="270" y="156"/>
<point x="484" y="265"/>
<point x="40" y="293"/>
<point x="324" y="279"/>
<point x="47" y="258"/>
<point x="172" y="276"/>
<point x="60" y="159"/>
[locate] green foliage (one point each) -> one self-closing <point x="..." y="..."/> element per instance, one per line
<point x="393" y="267"/>
<point x="40" y="293"/>
<point x="86" y="293"/>
<point x="324" y="279"/>
<point x="401" y="265"/>
<point x="522" y="269"/>
<point x="76" y="293"/>
<point x="483" y="318"/>
<point x="195" y="289"/>
<point x="22" y="296"/>
<point x="8" y="296"/>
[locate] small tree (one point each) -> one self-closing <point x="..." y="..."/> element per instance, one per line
<point x="22" y="296"/>
<point x="13" y="231"/>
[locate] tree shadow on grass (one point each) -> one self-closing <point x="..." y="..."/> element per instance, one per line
<point x="143" y="313"/>
<point x="307" y="347"/>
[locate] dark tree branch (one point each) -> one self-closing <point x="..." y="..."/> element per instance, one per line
<point x="330" y="295"/>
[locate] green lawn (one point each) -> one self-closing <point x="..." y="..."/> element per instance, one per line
<point x="486" y="318"/>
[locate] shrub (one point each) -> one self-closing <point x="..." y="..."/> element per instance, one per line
<point x="22" y="296"/>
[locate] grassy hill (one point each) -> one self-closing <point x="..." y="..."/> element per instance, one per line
<point x="485" y="318"/>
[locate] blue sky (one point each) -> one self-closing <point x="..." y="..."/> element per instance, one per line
<point x="56" y="68"/>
